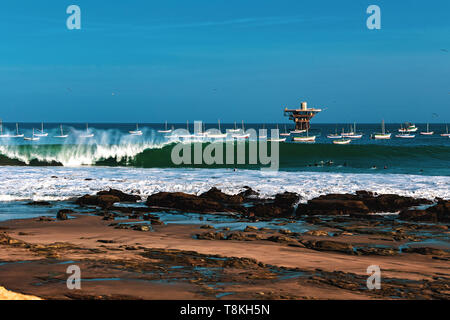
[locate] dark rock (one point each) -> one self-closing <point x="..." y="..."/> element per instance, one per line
<point x="377" y="251"/>
<point x="326" y="245"/>
<point x="103" y="201"/>
<point x="39" y="203"/>
<point x="425" y="251"/>
<point x="286" y="200"/>
<point x="144" y="228"/>
<point x="332" y="207"/>
<point x="211" y="236"/>
<point x="217" y="195"/>
<point x="363" y="202"/>
<point x="124" y="197"/>
<point x="156" y="222"/>
<point x="249" y="193"/>
<point x="440" y="212"/>
<point x="269" y="210"/>
<point x="250" y="229"/>
<point x="106" y="241"/>
<point x="240" y="236"/>
<point x="62" y="214"/>
<point x="282" y="239"/>
<point x="184" y="201"/>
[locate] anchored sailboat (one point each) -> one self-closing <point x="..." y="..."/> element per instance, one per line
<point x="354" y="134"/>
<point x="242" y="135"/>
<point x="272" y="139"/>
<point x="285" y="133"/>
<point x="342" y="141"/>
<point x="17" y="135"/>
<point x="32" y="138"/>
<point x="218" y="135"/>
<point x="306" y="138"/>
<point x="264" y="134"/>
<point x="88" y="134"/>
<point x="165" y="130"/>
<point x="136" y="132"/>
<point x="235" y="128"/>
<point x="42" y="133"/>
<point x="428" y="132"/>
<point x="335" y="135"/>
<point x="383" y="135"/>
<point x="62" y="135"/>
<point x="1" y="131"/>
<point x="445" y="134"/>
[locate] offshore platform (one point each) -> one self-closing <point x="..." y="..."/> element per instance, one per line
<point x="301" y="116"/>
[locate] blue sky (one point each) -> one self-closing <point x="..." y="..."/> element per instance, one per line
<point x="148" y="61"/>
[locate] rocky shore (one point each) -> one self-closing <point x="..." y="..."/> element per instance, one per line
<point x="242" y="246"/>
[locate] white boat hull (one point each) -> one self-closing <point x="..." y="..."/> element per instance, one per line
<point x="277" y="140"/>
<point x="382" y="136"/>
<point x="405" y="136"/>
<point x="344" y="141"/>
<point x="298" y="131"/>
<point x="305" y="139"/>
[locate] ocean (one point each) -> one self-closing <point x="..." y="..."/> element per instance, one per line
<point x="60" y="169"/>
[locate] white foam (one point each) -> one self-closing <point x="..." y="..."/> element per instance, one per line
<point x="76" y="151"/>
<point x="36" y="183"/>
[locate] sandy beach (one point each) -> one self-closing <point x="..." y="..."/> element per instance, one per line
<point x="126" y="259"/>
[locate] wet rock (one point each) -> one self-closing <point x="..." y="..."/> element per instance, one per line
<point x="143" y="228"/>
<point x="249" y="193"/>
<point x="331" y="207"/>
<point x="123" y="197"/>
<point x="326" y="245"/>
<point x="103" y="201"/>
<point x="211" y="236"/>
<point x="440" y="212"/>
<point x="269" y="210"/>
<point x="377" y="251"/>
<point x="286" y="200"/>
<point x="39" y="203"/>
<point x="207" y="226"/>
<point x="317" y="233"/>
<point x="108" y="216"/>
<point x="362" y="202"/>
<point x="425" y="251"/>
<point x="250" y="229"/>
<point x="45" y="219"/>
<point x="240" y="236"/>
<point x="62" y="214"/>
<point x="106" y="241"/>
<point x="217" y="195"/>
<point x="282" y="239"/>
<point x="184" y="201"/>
